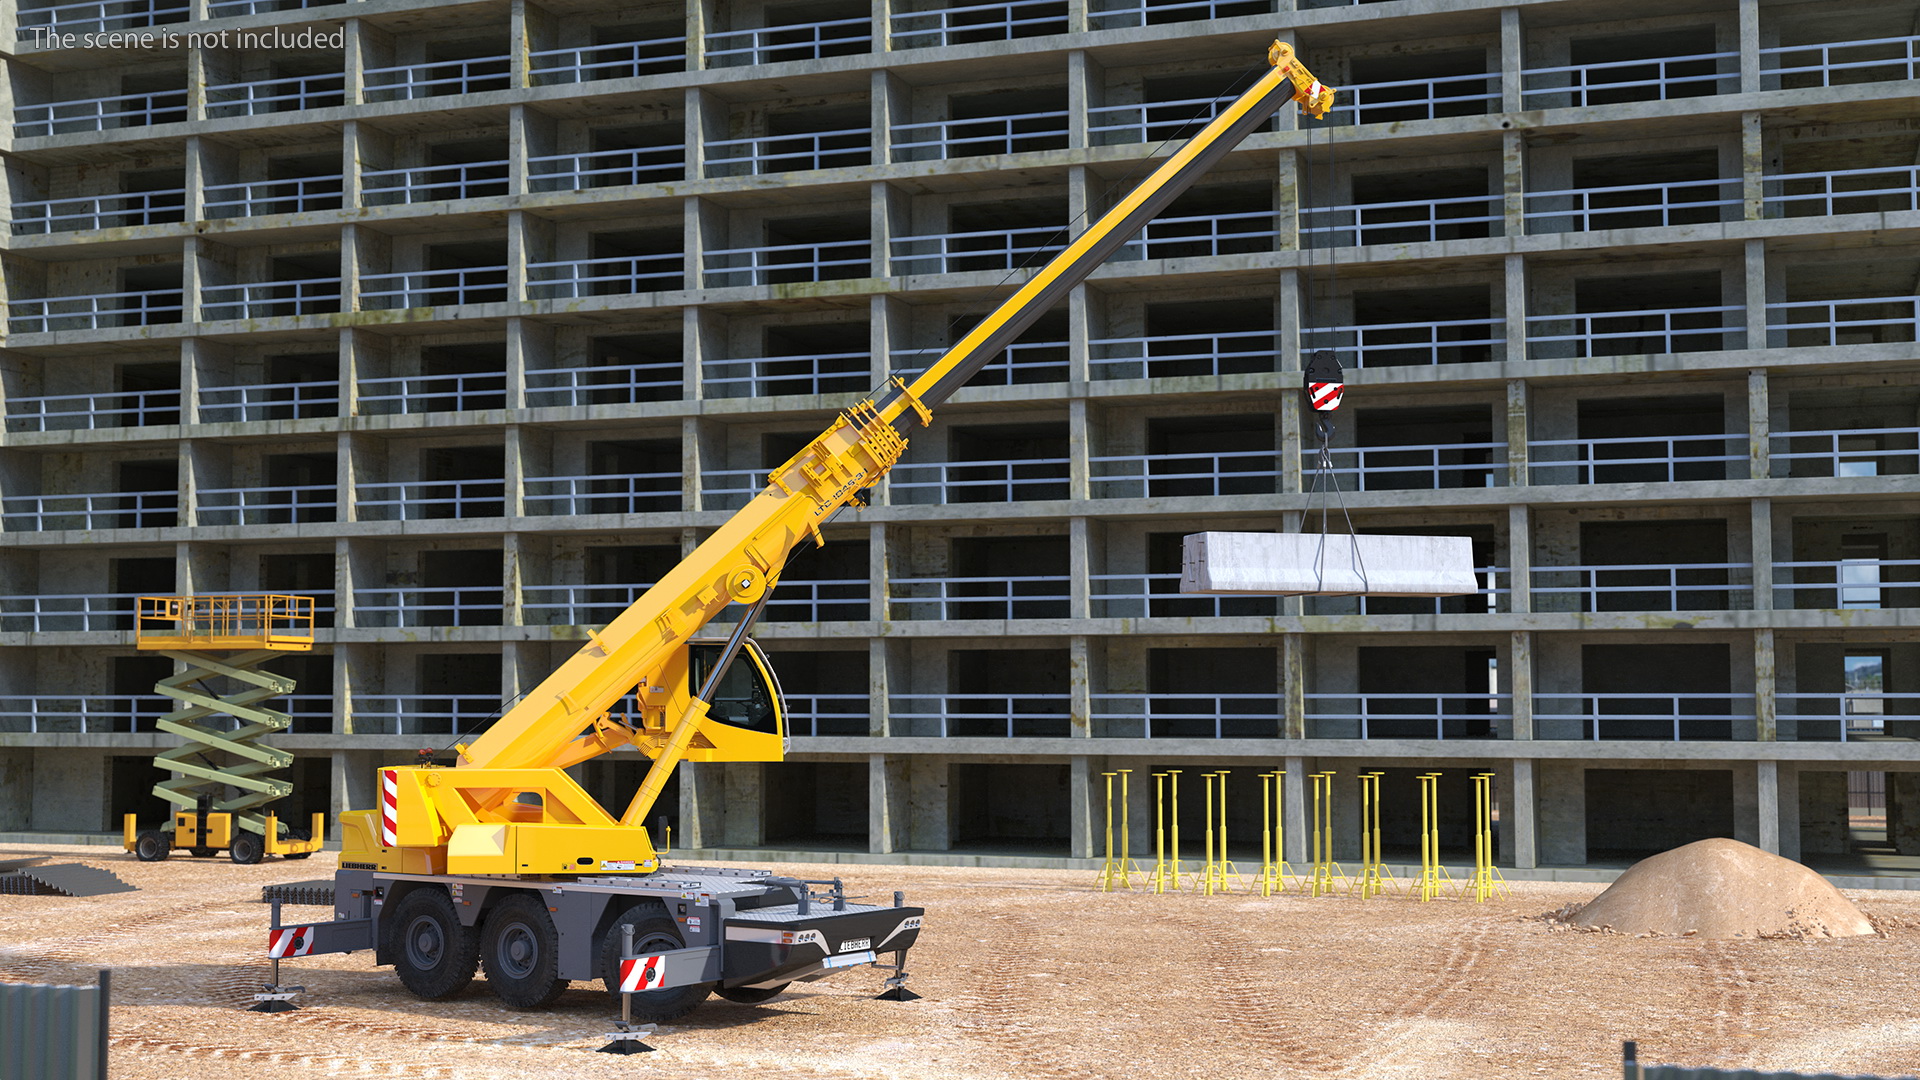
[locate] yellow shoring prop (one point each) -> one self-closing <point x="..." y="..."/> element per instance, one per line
<point x="1369" y="884"/>
<point x="1433" y="877"/>
<point x="1281" y="869"/>
<point x="1128" y="866"/>
<point x="1159" y="834"/>
<point x="1487" y="879"/>
<point x="1266" y="835"/>
<point x="1173" y="878"/>
<point x="1206" y="882"/>
<point x="1106" y="868"/>
<point x="1226" y="866"/>
<point x="1324" y="868"/>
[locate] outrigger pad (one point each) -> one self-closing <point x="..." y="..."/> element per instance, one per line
<point x="1315" y="564"/>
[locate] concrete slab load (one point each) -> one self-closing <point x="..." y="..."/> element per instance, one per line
<point x="1315" y="564"/>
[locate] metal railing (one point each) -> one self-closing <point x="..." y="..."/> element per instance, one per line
<point x="762" y="154"/>
<point x="92" y="510"/>
<point x="1429" y="466"/>
<point x="577" y="605"/>
<point x="434" y="393"/>
<point x="1848" y="321"/>
<point x="229" y="8"/>
<point x="421" y="714"/>
<point x="1490" y="599"/>
<point x="966" y="23"/>
<point x="1171" y="715"/>
<point x="1659" y="715"/>
<point x="1143" y="12"/>
<point x="98" y="15"/>
<point x="1635" y="458"/>
<point x="1158" y="596"/>
<point x="1154" y="121"/>
<point x="730" y="489"/>
<point x="413" y="500"/>
<point x="100" y="114"/>
<point x="828" y="714"/>
<point x="1647" y="586"/>
<point x="1632" y="206"/>
<point x="437" y="78"/>
<point x="963" y="716"/>
<point x="1013" y="480"/>
<point x="1619" y="333"/>
<point x="1845" y="584"/>
<point x="259" y="198"/>
<point x="613" y="60"/>
<point x="1844" y="716"/>
<point x="774" y="376"/>
<point x="799" y="41"/>
<point x="84" y="714"/>
<point x="1832" y="192"/>
<point x="91" y="412"/>
<point x="269" y="401"/>
<point x="1833" y="63"/>
<point x="67" y="612"/>
<point x="775" y="264"/>
<point x="606" y="168"/>
<point x="1826" y="450"/>
<point x="1142" y="476"/>
<point x="620" y="275"/>
<point x="267" y="505"/>
<point x="1020" y="362"/>
<point x="1015" y="134"/>
<point x="611" y="493"/>
<point x="1410" y="344"/>
<point x="427" y="606"/>
<point x="821" y="600"/>
<point x="1416" y="221"/>
<point x="607" y="384"/>
<point x="42" y="216"/>
<point x="993" y="249"/>
<point x="266" y="299"/>
<point x="433" y="183"/>
<point x="434" y="288"/>
<point x="277" y="95"/>
<point x="100" y="311"/>
<point x="1405" y="100"/>
<point x="1013" y="597"/>
<point x="1653" y="78"/>
<point x="1407" y="716"/>
<point x="1202" y="236"/>
<point x="1173" y="355"/>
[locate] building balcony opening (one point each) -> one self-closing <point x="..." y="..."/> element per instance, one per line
<point x="1171" y="107"/>
<point x="457" y="378"/>
<point x="159" y="196"/>
<point x="1211" y="693"/>
<point x="1859" y="302"/>
<point x="1004" y="234"/>
<point x="973" y="23"/>
<point x="133" y="681"/>
<point x="311" y="703"/>
<point x="622" y="263"/>
<point x="1156" y="594"/>
<point x="620" y="369"/>
<point x="807" y="358"/>
<point x="1678" y="62"/>
<point x="621" y="157"/>
<point x="628" y="476"/>
<point x="151" y="295"/>
<point x="816" y="805"/>
<point x="1415" y="692"/>
<point x="1638" y="191"/>
<point x="826" y="691"/>
<point x="301" y="488"/>
<point x="1425" y="449"/>
<point x="1668" y="565"/>
<point x="822" y="137"/>
<point x="1409" y="208"/>
<point x="992" y="463"/>
<point x="626" y="51"/>
<point x="1195" y="456"/>
<point x="1039" y="355"/>
<point x="163" y="95"/>
<point x="1649" y="440"/>
<point x="826" y="247"/>
<point x="1419" y="86"/>
<point x="1652" y="692"/>
<point x="293" y="386"/>
<point x="149" y="493"/>
<point x="460" y="588"/>
<point x="1844" y="170"/>
<point x="149" y="394"/>
<point x="1641" y="314"/>
<point x="1003" y="693"/>
<point x="1827" y="47"/>
<point x="459" y="693"/>
<point x="293" y="84"/>
<point x="303" y="573"/>
<point x="811" y="30"/>
<point x="1853" y="563"/>
<point x="1010" y="809"/>
<point x="294" y="285"/>
<point x="825" y="584"/>
<point x="474" y="273"/>
<point x="997" y="122"/>
<point x="128" y="580"/>
<point x="461" y="67"/>
<point x="1205" y="338"/>
<point x="461" y="482"/>
<point x="1634" y="813"/>
<point x="1107" y="14"/>
<point x="1211" y="220"/>
<point x="1453" y="324"/>
<point x="614" y="577"/>
<point x="1849" y="433"/>
<point x="454" y="169"/>
<point x="1009" y="577"/>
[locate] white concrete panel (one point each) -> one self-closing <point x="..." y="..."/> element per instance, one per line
<point x="1330" y="565"/>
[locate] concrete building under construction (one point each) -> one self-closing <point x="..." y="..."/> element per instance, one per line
<point x="469" y="318"/>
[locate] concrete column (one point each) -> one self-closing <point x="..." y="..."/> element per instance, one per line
<point x="702" y="800"/>
<point x="1079" y="449"/>
<point x="744" y="813"/>
<point x="1788" y="818"/>
<point x="1519" y="559"/>
<point x="1293" y="797"/>
<point x="1759" y="426"/>
<point x="879" y="703"/>
<point x="1293" y="683"/>
<point x="1080" y="686"/>
<point x="1082" y="328"/>
<point x="888" y="781"/>
<point x="1747" y="811"/>
<point x="1760" y="513"/>
<point x="1756" y="293"/>
<point x="1749" y="46"/>
<point x="1512" y="59"/>
<point x="1345" y="812"/>
<point x="1516" y="307"/>
<point x="352" y="784"/>
<point x="1288" y="324"/>
<point x="1522" y="803"/>
<point x="1753" y="168"/>
<point x="929" y="825"/>
<point x="1766" y="707"/>
<point x="16" y="780"/>
<point x="1562" y="803"/>
<point x="1519" y="428"/>
<point x="1079" y="569"/>
<point x="1080" y="807"/>
<point x="1513" y="160"/>
<point x="1767" y="796"/>
<point x="1520" y="683"/>
<point x="1083" y="79"/>
<point x="1289" y="443"/>
<point x="512" y="576"/>
<point x="1286" y="211"/>
<point x="1903" y="812"/>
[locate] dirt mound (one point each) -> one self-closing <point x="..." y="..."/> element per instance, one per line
<point x="1723" y="889"/>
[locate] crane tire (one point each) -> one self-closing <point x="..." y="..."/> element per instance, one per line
<point x="752" y="995"/>
<point x="432" y="953"/>
<point x="520" y="951"/>
<point x="151" y="847"/>
<point x="653" y="931"/>
<point x="246" y="848"/>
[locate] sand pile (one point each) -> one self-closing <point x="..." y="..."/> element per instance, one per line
<point x="1723" y="889"/>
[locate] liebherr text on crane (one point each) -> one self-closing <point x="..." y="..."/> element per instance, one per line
<point x="503" y="862"/>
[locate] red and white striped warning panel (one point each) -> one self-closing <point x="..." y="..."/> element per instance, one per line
<point x="390" y="807"/>
<point x="639" y="973"/>
<point x="1325" y="396"/>
<point x="289" y="941"/>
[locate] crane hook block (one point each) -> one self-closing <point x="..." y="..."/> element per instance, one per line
<point x="1324" y="381"/>
<point x="745" y="584"/>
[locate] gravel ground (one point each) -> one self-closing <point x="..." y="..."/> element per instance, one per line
<point x="1026" y="974"/>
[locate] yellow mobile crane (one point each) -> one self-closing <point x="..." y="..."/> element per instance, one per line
<point x="503" y="861"/>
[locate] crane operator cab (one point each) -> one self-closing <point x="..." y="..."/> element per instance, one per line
<point x="749" y="695"/>
<point x="745" y="721"/>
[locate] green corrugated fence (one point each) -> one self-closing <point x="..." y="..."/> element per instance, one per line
<point x="53" y="1032"/>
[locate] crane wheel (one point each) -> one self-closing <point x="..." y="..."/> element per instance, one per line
<point x="432" y="953"/>
<point x="653" y="931"/>
<point x="520" y="951"/>
<point x="751" y="995"/>
<point x="151" y="847"/>
<point x="246" y="849"/>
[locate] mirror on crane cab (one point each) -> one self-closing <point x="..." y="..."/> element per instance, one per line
<point x="747" y="719"/>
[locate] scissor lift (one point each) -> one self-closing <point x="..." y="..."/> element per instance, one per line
<point x="224" y="637"/>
